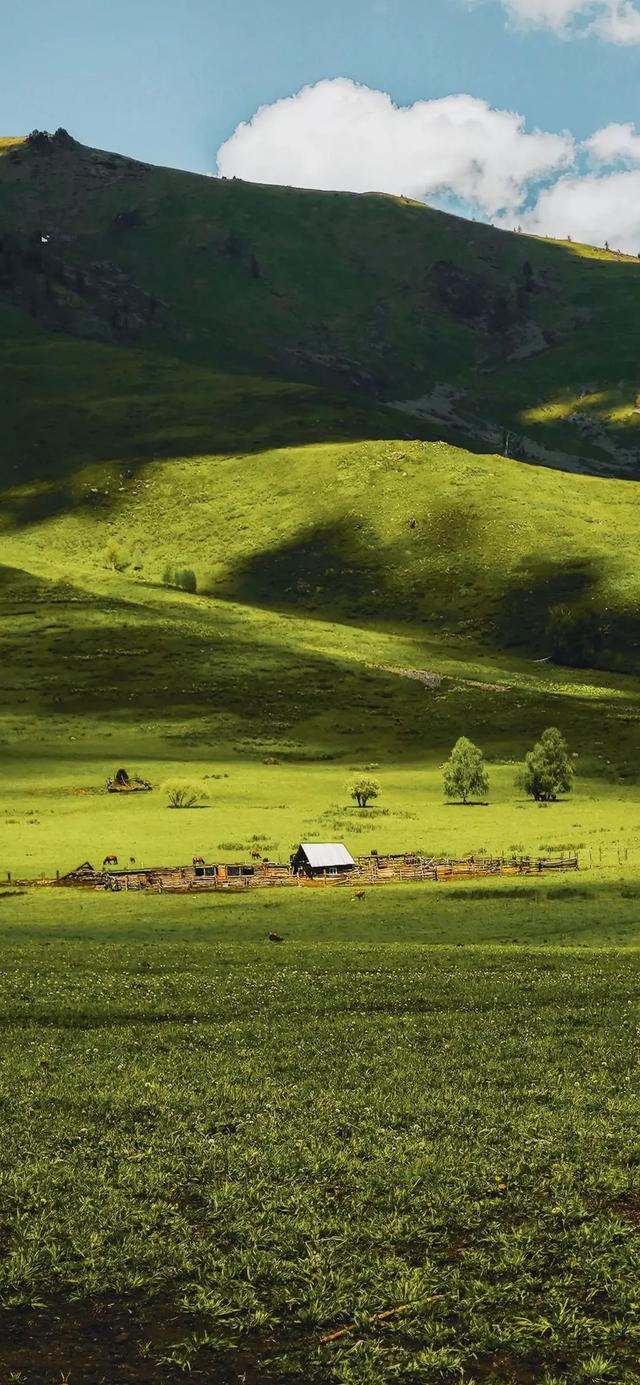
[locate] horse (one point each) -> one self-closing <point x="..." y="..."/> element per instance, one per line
<point x="276" y="938"/>
<point x="198" y="860"/>
<point x="110" y="861"/>
<point x="359" y="894"/>
<point x="255" y="854"/>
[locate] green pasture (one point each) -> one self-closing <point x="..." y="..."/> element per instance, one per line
<point x="594" y="909"/>
<point x="218" y="1151"/>
<point x="55" y="814"/>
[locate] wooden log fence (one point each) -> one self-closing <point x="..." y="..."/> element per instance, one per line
<point x="369" y="871"/>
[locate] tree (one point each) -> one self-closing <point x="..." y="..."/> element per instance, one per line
<point x="184" y="793"/>
<point x="547" y="768"/>
<point x="464" y="773"/>
<point x="363" y="789"/>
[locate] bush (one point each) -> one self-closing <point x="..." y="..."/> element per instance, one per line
<point x="185" y="579"/>
<point x="362" y="789"/>
<point x="184" y="793"/>
<point x="116" y="556"/>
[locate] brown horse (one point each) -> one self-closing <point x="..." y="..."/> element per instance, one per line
<point x="110" y="861"/>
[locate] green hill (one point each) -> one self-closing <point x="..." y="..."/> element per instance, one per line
<point x="369" y="584"/>
<point x="484" y="330"/>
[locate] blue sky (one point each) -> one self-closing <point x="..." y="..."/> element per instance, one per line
<point x="169" y="82"/>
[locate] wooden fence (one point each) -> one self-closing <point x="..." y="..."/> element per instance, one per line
<point x="369" y="870"/>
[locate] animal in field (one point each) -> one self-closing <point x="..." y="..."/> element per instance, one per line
<point x="412" y="523"/>
<point x="132" y="860"/>
<point x="255" y="854"/>
<point x="359" y="894"/>
<point x="276" y="938"/>
<point x="110" y="861"/>
<point x="198" y="860"/>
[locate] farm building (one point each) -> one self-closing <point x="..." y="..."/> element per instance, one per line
<point x="322" y="858"/>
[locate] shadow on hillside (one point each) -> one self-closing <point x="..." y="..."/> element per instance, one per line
<point x="555" y="610"/>
<point x="560" y="611"/>
<point x="214" y="677"/>
<point x="81" y="421"/>
<point x="342" y="565"/>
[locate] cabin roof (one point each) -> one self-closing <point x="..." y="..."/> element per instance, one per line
<point x="322" y="855"/>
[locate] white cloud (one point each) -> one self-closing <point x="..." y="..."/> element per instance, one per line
<point x="615" y="21"/>
<point x="593" y="208"/>
<point x="342" y="136"/>
<point x="615" y="144"/>
<point x="618" y="23"/>
<point x="339" y="135"/>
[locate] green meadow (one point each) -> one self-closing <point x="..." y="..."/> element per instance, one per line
<point x="219" y="1152"/>
<point x="401" y="1145"/>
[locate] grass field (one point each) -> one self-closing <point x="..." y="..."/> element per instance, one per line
<point x="217" y="1151"/>
<point x="236" y="1149"/>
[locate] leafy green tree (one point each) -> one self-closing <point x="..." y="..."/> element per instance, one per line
<point x="363" y="789"/>
<point x="184" y="793"/>
<point x="465" y="774"/>
<point x="547" y="768"/>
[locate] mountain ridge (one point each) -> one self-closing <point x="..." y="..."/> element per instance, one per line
<point x="365" y="293"/>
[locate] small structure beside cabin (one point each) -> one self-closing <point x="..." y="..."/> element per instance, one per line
<point x="121" y="783"/>
<point x="322" y="858"/>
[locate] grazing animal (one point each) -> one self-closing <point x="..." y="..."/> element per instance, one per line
<point x="412" y="523"/>
<point x="255" y="854"/>
<point x="110" y="861"/>
<point x="276" y="938"/>
<point x="198" y="860"/>
<point x="359" y="894"/>
<point x="132" y="860"/>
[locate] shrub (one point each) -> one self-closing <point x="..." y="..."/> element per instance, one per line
<point x="184" y="793"/>
<point x="464" y="773"/>
<point x="116" y="556"/>
<point x="185" y="578"/>
<point x="362" y="789"/>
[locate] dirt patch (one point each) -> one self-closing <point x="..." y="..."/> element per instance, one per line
<point x="106" y="1340"/>
<point x="420" y="675"/>
<point x="629" y="1208"/>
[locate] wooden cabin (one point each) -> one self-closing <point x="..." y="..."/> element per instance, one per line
<point x="317" y="859"/>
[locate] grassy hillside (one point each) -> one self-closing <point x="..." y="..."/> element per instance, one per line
<point x="220" y="1153"/>
<point x="368" y="293"/>
<point x="369" y="584"/>
<point x="326" y="633"/>
<point x="284" y="495"/>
